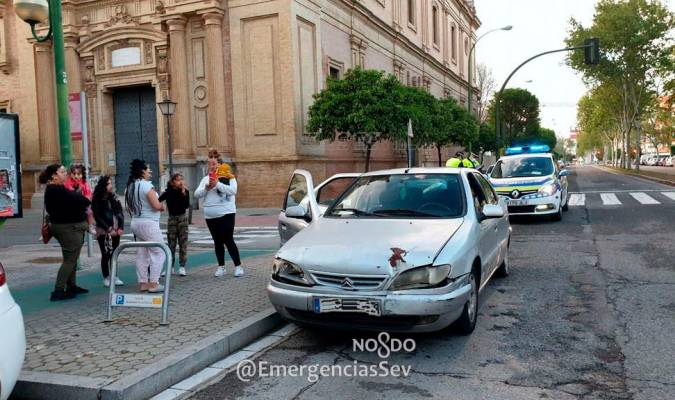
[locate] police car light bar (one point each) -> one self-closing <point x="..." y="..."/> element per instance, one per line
<point x="541" y="148"/>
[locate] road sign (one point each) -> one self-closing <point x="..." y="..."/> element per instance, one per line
<point x="138" y="300"/>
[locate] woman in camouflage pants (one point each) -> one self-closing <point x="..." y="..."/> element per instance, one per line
<point x="178" y="201"/>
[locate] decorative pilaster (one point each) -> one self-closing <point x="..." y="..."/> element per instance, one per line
<point x="217" y="109"/>
<point x="182" y="144"/>
<point x="46" y="102"/>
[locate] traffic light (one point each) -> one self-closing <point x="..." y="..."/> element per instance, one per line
<point x="592" y="51"/>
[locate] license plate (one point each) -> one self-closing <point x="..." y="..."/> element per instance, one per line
<point x="355" y="305"/>
<point x="512" y="202"/>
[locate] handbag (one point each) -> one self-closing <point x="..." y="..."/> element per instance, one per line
<point x="45" y="231"/>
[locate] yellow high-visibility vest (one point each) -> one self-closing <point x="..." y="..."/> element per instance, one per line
<point x="453" y="162"/>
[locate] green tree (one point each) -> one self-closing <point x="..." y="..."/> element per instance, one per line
<point x="519" y="114"/>
<point x="598" y="116"/>
<point x="486" y="141"/>
<point x="636" y="47"/>
<point x="365" y="106"/>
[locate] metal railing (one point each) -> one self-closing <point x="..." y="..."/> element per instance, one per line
<point x="158" y="300"/>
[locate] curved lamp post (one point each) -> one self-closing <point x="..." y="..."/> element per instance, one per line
<point x="38" y="11"/>
<point x="168" y="107"/>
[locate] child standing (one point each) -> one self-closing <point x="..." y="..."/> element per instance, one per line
<point x="77" y="182"/>
<point x="178" y="201"/>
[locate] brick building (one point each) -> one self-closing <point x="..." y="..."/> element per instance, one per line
<point x="243" y="73"/>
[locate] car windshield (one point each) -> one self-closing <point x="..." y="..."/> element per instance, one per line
<point x="401" y="196"/>
<point x="522" y="167"/>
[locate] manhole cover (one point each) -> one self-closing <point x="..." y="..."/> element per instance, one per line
<point x="46" y="260"/>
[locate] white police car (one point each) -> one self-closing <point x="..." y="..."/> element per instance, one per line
<point x="531" y="182"/>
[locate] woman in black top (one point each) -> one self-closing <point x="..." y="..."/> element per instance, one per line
<point x="68" y="223"/>
<point x="177" y="199"/>
<point x="109" y="217"/>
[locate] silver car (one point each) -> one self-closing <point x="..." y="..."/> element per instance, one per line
<point x="397" y="250"/>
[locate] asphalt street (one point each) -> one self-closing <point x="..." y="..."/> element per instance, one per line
<point x="588" y="312"/>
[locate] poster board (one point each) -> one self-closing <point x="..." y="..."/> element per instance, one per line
<point x="10" y="167"/>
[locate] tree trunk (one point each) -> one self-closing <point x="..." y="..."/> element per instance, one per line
<point x="440" y="162"/>
<point x="369" y="147"/>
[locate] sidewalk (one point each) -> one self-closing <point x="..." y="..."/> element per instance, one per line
<point x="73" y="354"/>
<point x="666" y="177"/>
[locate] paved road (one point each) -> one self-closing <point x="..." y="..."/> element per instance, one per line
<point x="587" y="312"/>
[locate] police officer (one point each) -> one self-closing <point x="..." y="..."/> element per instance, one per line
<point x="455" y="161"/>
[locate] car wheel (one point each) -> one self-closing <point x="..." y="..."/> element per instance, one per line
<point x="467" y="321"/>
<point x="557" y="216"/>
<point x="503" y="270"/>
<point x="567" y="203"/>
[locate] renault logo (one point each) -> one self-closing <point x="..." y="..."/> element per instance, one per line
<point x="515" y="194"/>
<point x="347" y="283"/>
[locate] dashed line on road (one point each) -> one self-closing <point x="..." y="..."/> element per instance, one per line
<point x="577" y="199"/>
<point x="670" y="195"/>
<point x="609" y="199"/>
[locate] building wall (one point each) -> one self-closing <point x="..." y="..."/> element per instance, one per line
<point x="243" y="73"/>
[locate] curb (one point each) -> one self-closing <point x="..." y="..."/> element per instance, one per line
<point x="646" y="177"/>
<point x="154" y="378"/>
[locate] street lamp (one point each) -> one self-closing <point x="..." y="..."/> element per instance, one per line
<point x="168" y="107"/>
<point x="37" y="11"/>
<point x="468" y="83"/>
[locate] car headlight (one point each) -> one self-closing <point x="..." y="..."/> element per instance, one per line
<point x="549" y="189"/>
<point x="422" y="277"/>
<point x="288" y="272"/>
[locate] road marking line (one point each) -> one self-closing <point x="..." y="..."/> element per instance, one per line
<point x="577" y="199"/>
<point x="644" y="198"/>
<point x="609" y="199"/>
<point x="669" y="194"/>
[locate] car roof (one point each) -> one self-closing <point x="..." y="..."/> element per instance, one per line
<point x="418" y="170"/>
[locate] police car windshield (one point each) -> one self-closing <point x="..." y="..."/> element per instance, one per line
<point x="522" y="167"/>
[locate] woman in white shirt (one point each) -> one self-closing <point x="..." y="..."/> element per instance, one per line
<point x="219" y="211"/>
<point x="144" y="207"/>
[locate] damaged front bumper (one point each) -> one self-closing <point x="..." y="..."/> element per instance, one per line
<point x="421" y="310"/>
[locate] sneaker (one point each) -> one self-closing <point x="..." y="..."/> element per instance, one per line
<point x="181" y="271"/>
<point x="59" y="295"/>
<point x="118" y="282"/>
<point x="106" y="282"/>
<point x="220" y="271"/>
<point x="156" y="289"/>
<point x="238" y="271"/>
<point x="163" y="273"/>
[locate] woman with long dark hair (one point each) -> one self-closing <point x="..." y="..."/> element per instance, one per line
<point x="68" y="223"/>
<point x="144" y="207"/>
<point x="109" y="218"/>
<point x="219" y="192"/>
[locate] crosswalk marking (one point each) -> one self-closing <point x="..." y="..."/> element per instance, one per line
<point x="644" y="198"/>
<point x="609" y="199"/>
<point x="577" y="199"/>
<point x="669" y="194"/>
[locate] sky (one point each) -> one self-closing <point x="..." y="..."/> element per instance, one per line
<point x="538" y="25"/>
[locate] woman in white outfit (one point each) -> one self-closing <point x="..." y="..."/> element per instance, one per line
<point x="144" y="207"/>
<point x="219" y="211"/>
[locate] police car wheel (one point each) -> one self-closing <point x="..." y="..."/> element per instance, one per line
<point x="557" y="216"/>
<point x="567" y="204"/>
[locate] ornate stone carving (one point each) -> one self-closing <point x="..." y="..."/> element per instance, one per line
<point x="101" y="59"/>
<point x="163" y="76"/>
<point x="159" y="8"/>
<point x="147" y="51"/>
<point x="358" y="47"/>
<point x="120" y="17"/>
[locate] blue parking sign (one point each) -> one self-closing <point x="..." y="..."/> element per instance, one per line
<point x="119" y="299"/>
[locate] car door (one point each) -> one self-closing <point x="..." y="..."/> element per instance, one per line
<point x="501" y="225"/>
<point x="296" y="195"/>
<point x="300" y="193"/>
<point x="487" y="237"/>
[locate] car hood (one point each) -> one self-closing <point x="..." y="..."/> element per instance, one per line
<point x="368" y="246"/>
<point x="524" y="183"/>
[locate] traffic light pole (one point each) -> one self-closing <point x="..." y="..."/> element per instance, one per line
<point x="498" y="129"/>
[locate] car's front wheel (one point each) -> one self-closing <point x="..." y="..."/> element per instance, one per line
<point x="467" y="321"/>
<point x="567" y="203"/>
<point x="557" y="216"/>
<point x="503" y="270"/>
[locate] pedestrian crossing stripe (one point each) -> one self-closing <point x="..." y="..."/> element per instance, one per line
<point x="611" y="199"/>
<point x="644" y="198"/>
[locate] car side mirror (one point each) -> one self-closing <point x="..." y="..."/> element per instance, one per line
<point x="563" y="172"/>
<point x="297" y="212"/>
<point x="493" y="211"/>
